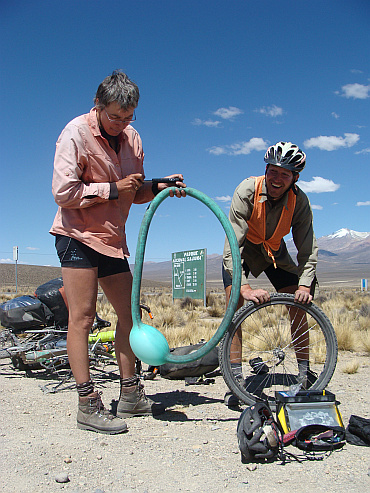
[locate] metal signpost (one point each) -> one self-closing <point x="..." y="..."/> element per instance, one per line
<point x="189" y="274"/>
<point x="15" y="258"/>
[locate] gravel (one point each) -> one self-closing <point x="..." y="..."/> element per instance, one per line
<point x="190" y="448"/>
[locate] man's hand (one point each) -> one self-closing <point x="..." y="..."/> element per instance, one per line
<point x="180" y="184"/>
<point x="258" y="296"/>
<point x="303" y="295"/>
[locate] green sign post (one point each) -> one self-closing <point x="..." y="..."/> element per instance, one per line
<point x="189" y="274"/>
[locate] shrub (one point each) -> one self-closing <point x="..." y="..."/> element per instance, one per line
<point x="351" y="367"/>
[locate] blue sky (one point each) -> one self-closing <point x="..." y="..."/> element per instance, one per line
<point x="219" y="82"/>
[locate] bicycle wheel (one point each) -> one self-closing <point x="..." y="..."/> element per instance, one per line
<point x="269" y="338"/>
<point x="7" y="340"/>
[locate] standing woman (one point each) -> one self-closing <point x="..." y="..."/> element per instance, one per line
<point x="98" y="175"/>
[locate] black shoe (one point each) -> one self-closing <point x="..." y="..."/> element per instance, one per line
<point x="258" y="366"/>
<point x="230" y="400"/>
<point x="308" y="379"/>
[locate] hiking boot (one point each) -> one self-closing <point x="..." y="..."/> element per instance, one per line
<point x="93" y="416"/>
<point x="258" y="366"/>
<point x="230" y="400"/>
<point x="136" y="403"/>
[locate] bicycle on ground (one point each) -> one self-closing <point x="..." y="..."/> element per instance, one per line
<point x="46" y="347"/>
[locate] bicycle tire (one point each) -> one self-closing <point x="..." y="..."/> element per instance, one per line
<point x="4" y="354"/>
<point x="7" y="339"/>
<point x="19" y="364"/>
<point x="266" y="334"/>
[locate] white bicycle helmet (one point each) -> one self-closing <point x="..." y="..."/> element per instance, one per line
<point x="286" y="155"/>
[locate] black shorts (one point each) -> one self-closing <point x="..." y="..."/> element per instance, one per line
<point x="278" y="277"/>
<point x="73" y="253"/>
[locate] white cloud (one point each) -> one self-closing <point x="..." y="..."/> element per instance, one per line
<point x="356" y="91"/>
<point x="32" y="248"/>
<point x="316" y="207"/>
<point x="224" y="198"/>
<point x="217" y="150"/>
<point x="356" y="71"/>
<point x="224" y="113"/>
<point x="6" y="261"/>
<point x="318" y="185"/>
<point x="273" y="110"/>
<point x="254" y="144"/>
<point x="332" y="143"/>
<point x="206" y="123"/>
<point x="359" y="204"/>
<point x="335" y="115"/>
<point x="228" y="113"/>
<point x="364" y="151"/>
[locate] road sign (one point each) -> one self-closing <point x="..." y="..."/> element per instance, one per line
<point x="15" y="253"/>
<point x="189" y="274"/>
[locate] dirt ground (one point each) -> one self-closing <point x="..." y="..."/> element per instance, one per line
<point x="191" y="448"/>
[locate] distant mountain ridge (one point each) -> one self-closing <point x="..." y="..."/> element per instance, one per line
<point x="344" y="239"/>
<point x="344" y="257"/>
<point x="342" y="253"/>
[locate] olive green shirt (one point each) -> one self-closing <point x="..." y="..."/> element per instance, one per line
<point x="256" y="256"/>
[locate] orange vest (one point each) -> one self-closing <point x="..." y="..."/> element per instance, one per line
<point x="257" y="222"/>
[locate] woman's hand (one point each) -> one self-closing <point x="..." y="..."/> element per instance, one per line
<point x="180" y="184"/>
<point x="131" y="183"/>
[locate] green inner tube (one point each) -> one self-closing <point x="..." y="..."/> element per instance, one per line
<point x="147" y="342"/>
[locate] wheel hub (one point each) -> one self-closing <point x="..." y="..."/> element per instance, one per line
<point x="279" y="355"/>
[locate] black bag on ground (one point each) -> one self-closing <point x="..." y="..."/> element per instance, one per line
<point x="52" y="295"/>
<point x="25" y="312"/>
<point x="319" y="438"/>
<point x="358" y="431"/>
<point x="202" y="366"/>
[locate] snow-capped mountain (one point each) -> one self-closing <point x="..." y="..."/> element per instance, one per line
<point x="349" y="233"/>
<point x="341" y="241"/>
<point x="343" y="250"/>
<point x="344" y="239"/>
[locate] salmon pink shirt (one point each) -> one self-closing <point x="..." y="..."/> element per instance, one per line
<point x="84" y="167"/>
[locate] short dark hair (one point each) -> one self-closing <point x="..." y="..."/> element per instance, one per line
<point x="117" y="88"/>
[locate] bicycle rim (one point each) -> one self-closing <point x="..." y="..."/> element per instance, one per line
<point x="273" y="336"/>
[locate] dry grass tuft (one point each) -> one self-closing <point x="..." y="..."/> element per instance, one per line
<point x="351" y="367"/>
<point x="349" y="313"/>
<point x="365" y="341"/>
<point x="216" y="304"/>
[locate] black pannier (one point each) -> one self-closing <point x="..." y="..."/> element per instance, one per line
<point x="52" y="295"/>
<point x="25" y="312"/>
<point x="198" y="368"/>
